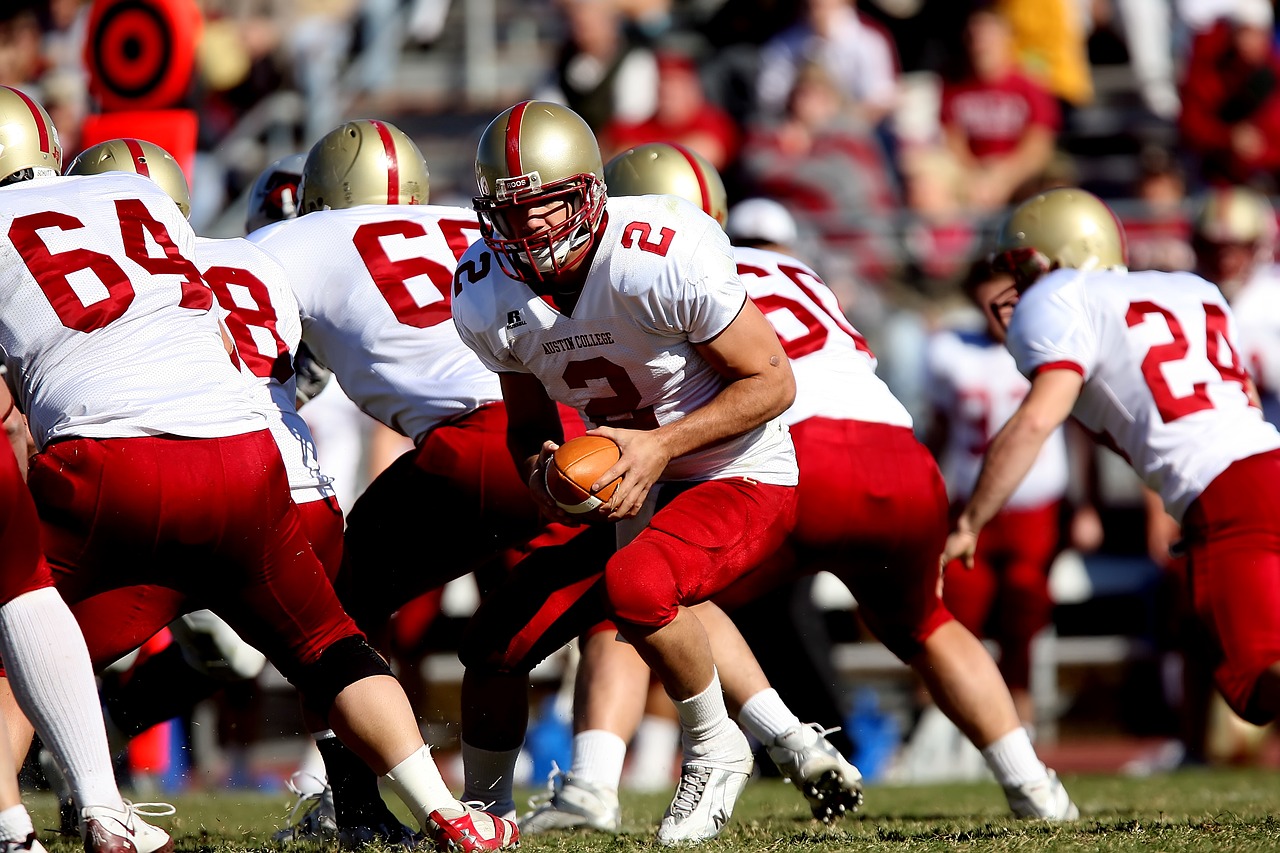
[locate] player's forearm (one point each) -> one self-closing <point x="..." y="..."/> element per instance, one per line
<point x="1012" y="452"/>
<point x="742" y="406"/>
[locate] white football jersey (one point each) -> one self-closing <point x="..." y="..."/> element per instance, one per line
<point x="373" y="284"/>
<point x="662" y="279"/>
<point x="259" y="310"/>
<point x="974" y="383"/>
<point x="835" y="369"/>
<point x="107" y="328"/>
<point x="1257" y="310"/>
<point x="1164" y="383"/>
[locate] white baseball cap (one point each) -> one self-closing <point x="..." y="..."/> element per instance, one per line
<point x="762" y="220"/>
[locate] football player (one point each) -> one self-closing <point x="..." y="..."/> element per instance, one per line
<point x="375" y="308"/>
<point x="1148" y="362"/>
<point x="631" y="311"/>
<point x="151" y="445"/>
<point x="974" y="386"/>
<point x="49" y="670"/>
<point x="1234" y="237"/>
<point x="870" y="496"/>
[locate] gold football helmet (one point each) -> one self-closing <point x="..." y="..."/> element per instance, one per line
<point x="29" y="146"/>
<point x="274" y="194"/>
<point x="1234" y="231"/>
<point x="531" y="157"/>
<point x="1063" y="227"/>
<point x="665" y="168"/>
<point x="364" y="162"/>
<point x="140" y="157"/>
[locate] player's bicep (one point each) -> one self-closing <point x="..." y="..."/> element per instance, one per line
<point x="748" y="347"/>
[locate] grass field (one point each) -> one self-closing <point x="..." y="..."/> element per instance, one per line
<point x="1192" y="811"/>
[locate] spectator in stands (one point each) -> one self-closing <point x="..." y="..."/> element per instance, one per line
<point x="21" y="60"/>
<point x="1231" y="96"/>
<point x="818" y="158"/>
<point x="856" y="54"/>
<point x="683" y="115"/>
<point x="999" y="124"/>
<point x="599" y="73"/>
<point x="940" y="237"/>
<point x="1049" y="43"/>
<point x="1159" y="231"/>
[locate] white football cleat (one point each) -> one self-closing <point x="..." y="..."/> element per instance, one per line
<point x="828" y="781"/>
<point x="1045" y="799"/>
<point x="708" y="788"/>
<point x="106" y="830"/>
<point x="573" y="804"/>
<point x="313" y="816"/>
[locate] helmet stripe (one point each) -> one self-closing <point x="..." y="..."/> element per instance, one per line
<point x="697" y="171"/>
<point x="41" y="130"/>
<point x="139" y="158"/>
<point x="514" y="169"/>
<point x="393" y="162"/>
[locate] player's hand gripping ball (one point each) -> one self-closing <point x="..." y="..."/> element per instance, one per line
<point x="575" y="466"/>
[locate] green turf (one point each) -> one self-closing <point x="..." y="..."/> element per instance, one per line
<point x="1191" y="811"/>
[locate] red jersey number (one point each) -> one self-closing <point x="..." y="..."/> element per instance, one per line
<point x="815" y="336"/>
<point x="637" y="234"/>
<point x="1170" y="406"/>
<point x="50" y="269"/>
<point x="623" y="409"/>
<point x="392" y="277"/>
<point x="275" y="365"/>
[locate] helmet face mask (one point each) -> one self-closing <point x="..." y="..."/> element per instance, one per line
<point x="274" y="195"/>
<point x="541" y="189"/>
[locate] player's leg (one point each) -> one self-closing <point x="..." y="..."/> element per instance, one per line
<point x="872" y="493"/>
<point x="1233" y="544"/>
<point x="802" y="753"/>
<point x="694" y="546"/>
<point x="1025" y="608"/>
<point x="48" y="657"/>
<point x="608" y="702"/>
<point x="551" y="596"/>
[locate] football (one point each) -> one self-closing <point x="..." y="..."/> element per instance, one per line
<point x="577" y="464"/>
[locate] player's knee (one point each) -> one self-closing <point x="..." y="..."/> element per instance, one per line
<point x="640" y="586"/>
<point x="345" y="662"/>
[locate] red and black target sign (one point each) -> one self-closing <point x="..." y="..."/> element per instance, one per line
<point x="140" y="53"/>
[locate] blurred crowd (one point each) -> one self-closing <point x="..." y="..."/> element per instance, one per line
<point x="893" y="133"/>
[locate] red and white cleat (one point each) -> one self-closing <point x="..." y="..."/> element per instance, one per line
<point x="469" y="829"/>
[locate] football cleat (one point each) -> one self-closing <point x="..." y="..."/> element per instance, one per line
<point x="313" y="816"/>
<point x="705" y="795"/>
<point x="573" y="803"/>
<point x="1045" y="799"/>
<point x="106" y="830"/>
<point x="828" y="781"/>
<point x="30" y="844"/>
<point x="469" y="829"/>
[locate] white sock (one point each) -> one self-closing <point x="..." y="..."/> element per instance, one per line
<point x="705" y="723"/>
<point x="1013" y="759"/>
<point x="15" y="824"/>
<point x="416" y="781"/>
<point x="52" y="679"/>
<point x="490" y="777"/>
<point x="766" y="716"/>
<point x="653" y="754"/>
<point x="598" y="756"/>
